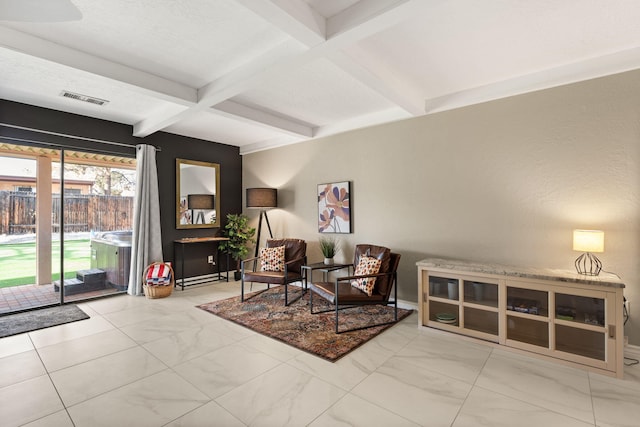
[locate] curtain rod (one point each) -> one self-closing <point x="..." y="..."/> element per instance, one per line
<point x="83" y="138"/>
<point x="53" y="145"/>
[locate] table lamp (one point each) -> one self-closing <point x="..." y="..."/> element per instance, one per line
<point x="200" y="203"/>
<point x="262" y="198"/>
<point x="588" y="241"/>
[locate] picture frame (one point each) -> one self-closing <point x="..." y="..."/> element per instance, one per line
<point x="334" y="207"/>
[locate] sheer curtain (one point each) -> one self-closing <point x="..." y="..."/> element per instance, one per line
<point x="146" y="242"/>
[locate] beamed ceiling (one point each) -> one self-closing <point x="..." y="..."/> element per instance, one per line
<point x="259" y="74"/>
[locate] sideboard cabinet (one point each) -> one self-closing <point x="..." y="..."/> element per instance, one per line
<point x="553" y="313"/>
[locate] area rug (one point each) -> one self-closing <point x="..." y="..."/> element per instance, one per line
<point x="266" y="314"/>
<point x="28" y="321"/>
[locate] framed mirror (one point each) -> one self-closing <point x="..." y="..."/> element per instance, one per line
<point x="197" y="194"/>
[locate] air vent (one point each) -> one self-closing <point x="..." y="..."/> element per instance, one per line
<point x="84" y="98"/>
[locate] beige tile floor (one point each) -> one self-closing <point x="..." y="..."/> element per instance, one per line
<point x="140" y="362"/>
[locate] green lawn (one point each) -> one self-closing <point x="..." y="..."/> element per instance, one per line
<point x="18" y="261"/>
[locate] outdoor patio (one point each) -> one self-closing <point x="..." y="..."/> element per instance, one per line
<point x="17" y="298"/>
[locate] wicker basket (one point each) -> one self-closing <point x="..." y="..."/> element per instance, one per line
<point x="157" y="291"/>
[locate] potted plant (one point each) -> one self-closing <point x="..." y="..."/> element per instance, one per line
<point x="240" y="235"/>
<point x="329" y="248"/>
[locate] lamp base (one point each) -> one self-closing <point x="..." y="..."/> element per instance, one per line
<point x="588" y="264"/>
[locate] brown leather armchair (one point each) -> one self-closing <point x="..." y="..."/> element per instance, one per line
<point x="343" y="295"/>
<point x="295" y="256"/>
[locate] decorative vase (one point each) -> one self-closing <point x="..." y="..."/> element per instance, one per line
<point x="453" y="289"/>
<point x="328" y="261"/>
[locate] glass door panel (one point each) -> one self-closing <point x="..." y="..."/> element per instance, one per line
<point x="582" y="342"/>
<point x="444" y="287"/>
<point x="528" y="301"/>
<point x="481" y="293"/>
<point x="528" y="331"/>
<point x="580" y="309"/>
<point x="443" y="313"/>
<point x="481" y="320"/>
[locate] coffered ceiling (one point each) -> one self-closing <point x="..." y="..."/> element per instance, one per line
<point x="259" y="74"/>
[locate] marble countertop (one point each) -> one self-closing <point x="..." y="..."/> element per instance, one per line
<point x="603" y="279"/>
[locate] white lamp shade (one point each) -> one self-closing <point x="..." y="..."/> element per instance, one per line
<point x="588" y="240"/>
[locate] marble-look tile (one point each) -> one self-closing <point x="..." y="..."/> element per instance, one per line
<point x="69" y="331"/>
<point x="138" y="314"/>
<point x="419" y="394"/>
<point x="57" y="419"/>
<point x="206" y="416"/>
<point x="615" y="402"/>
<point x="539" y="382"/>
<point x="115" y="303"/>
<point x="284" y="396"/>
<point x="486" y="408"/>
<point x="345" y="373"/>
<point x="448" y="355"/>
<point x="72" y="352"/>
<point x="274" y="348"/>
<point x="28" y="401"/>
<point x="20" y="367"/>
<point x="152" y="401"/>
<point x="15" y="344"/>
<point x="187" y="345"/>
<point x="354" y="411"/>
<point x="222" y="370"/>
<point x="89" y="379"/>
<point x="159" y="327"/>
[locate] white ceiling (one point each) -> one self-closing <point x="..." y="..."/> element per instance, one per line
<point x="264" y="73"/>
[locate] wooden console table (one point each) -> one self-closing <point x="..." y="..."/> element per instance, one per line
<point x="552" y="313"/>
<point x="191" y="240"/>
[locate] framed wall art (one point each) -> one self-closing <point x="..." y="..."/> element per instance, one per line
<point x="334" y="207"/>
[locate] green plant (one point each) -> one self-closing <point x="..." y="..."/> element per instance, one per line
<point x="240" y="235"/>
<point x="329" y="246"/>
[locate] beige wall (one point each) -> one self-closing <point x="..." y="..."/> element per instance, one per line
<point x="505" y="181"/>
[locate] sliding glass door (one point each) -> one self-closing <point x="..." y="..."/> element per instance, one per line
<point x="65" y="226"/>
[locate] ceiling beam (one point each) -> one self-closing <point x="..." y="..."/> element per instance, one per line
<point x="254" y="116"/>
<point x="294" y="17"/>
<point x="352" y="25"/>
<point x="127" y="77"/>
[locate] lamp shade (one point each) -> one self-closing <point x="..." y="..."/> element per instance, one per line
<point x="588" y="240"/>
<point x="262" y="198"/>
<point x="201" y="201"/>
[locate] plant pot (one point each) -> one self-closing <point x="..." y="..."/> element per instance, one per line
<point x="328" y="261"/>
<point x="237" y="275"/>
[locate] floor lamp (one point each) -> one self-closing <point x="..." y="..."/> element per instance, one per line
<point x="263" y="199"/>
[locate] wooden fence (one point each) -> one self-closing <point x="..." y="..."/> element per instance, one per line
<point x="81" y="213"/>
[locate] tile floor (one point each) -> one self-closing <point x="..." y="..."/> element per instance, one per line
<point x="140" y="362"/>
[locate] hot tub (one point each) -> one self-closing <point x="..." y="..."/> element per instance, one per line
<point x="111" y="252"/>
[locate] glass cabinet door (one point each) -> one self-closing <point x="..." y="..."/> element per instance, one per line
<point x="580" y="309"/>
<point x="528" y="301"/>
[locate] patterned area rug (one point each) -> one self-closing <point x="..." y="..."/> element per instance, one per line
<point x="28" y="321"/>
<point x="295" y="325"/>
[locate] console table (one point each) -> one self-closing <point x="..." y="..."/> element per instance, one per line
<point x="555" y="314"/>
<point x="193" y="240"/>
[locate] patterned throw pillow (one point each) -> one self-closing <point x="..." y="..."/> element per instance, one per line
<point x="366" y="265"/>
<point x="272" y="259"/>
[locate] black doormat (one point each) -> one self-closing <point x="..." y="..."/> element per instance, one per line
<point x="28" y="321"/>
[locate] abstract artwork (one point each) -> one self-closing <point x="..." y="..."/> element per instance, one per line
<point x="334" y="207"/>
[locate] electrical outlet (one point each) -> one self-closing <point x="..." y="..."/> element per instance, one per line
<point x="210" y="259"/>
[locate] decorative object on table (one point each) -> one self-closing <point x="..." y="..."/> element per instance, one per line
<point x="33" y="320"/>
<point x="263" y="199"/>
<point x="588" y="241"/>
<point x="197" y="194"/>
<point x="240" y="235"/>
<point x="202" y="203"/>
<point x="329" y="247"/>
<point x="371" y="284"/>
<point x="158" y="280"/>
<point x="294" y="325"/>
<point x="334" y="207"/>
<point x="281" y="263"/>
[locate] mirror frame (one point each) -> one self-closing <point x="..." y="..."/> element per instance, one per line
<point x="216" y="167"/>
